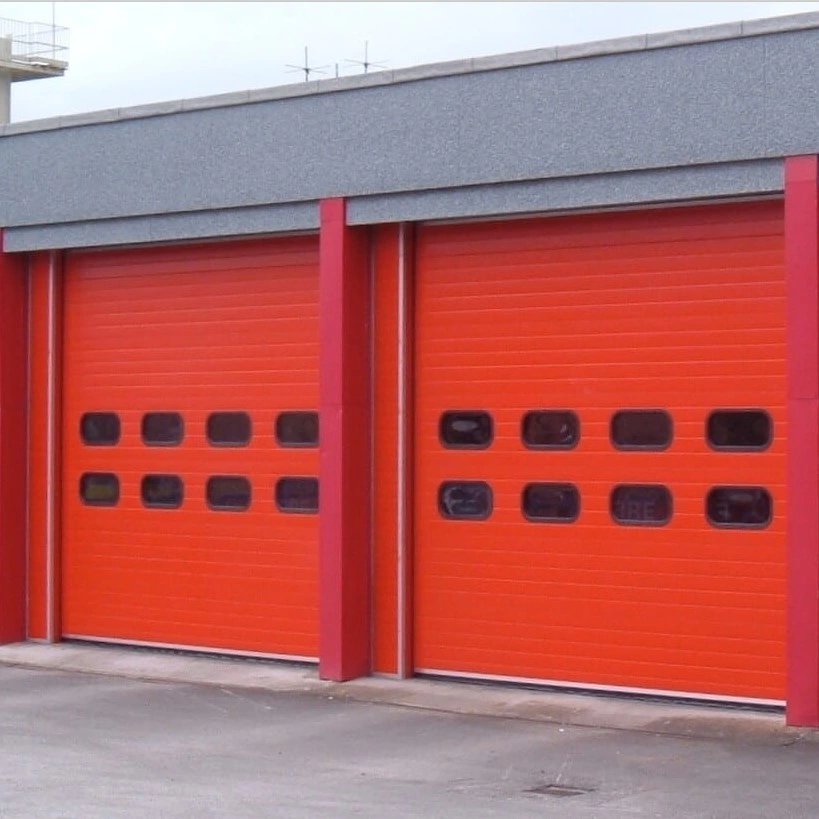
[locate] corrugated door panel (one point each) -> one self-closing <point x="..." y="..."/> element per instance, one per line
<point x="681" y="309"/>
<point x="218" y="327"/>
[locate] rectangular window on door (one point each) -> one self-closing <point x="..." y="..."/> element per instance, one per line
<point x="465" y="500"/>
<point x="99" y="489"/>
<point x="550" y="502"/>
<point x="465" y="429"/>
<point x="297" y="429"/>
<point x="162" y="429"/>
<point x="297" y="494"/>
<point x="100" y="428"/>
<point x="162" y="491"/>
<point x="641" y="429"/>
<point x="228" y="493"/>
<point x="229" y="428"/>
<point x="641" y="505"/>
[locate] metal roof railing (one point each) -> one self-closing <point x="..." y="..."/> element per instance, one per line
<point x="35" y="43"/>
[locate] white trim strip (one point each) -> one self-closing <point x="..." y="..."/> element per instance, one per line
<point x="51" y="439"/>
<point x="570" y="687"/>
<point x="403" y="592"/>
<point x="224" y="652"/>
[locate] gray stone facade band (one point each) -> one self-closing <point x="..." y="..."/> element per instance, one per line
<point x="661" y="118"/>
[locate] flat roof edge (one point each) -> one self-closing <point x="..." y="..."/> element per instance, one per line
<point x="551" y="54"/>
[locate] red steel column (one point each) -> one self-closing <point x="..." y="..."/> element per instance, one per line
<point x="13" y="442"/>
<point x="802" y="276"/>
<point x="345" y="459"/>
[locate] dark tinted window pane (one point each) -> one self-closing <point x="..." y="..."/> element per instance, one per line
<point x="162" y="491"/>
<point x="747" y="506"/>
<point x="739" y="429"/>
<point x="99" y="488"/>
<point x="641" y="505"/>
<point x="228" y="492"/>
<point x="550" y="429"/>
<point x="466" y="429"/>
<point x="162" y="428"/>
<point x="465" y="499"/>
<point x="229" y="428"/>
<point x="641" y="429"/>
<point x="297" y="494"/>
<point x="550" y="501"/>
<point x="297" y="429"/>
<point x="100" y="428"/>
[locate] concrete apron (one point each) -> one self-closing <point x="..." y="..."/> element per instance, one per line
<point x="656" y="716"/>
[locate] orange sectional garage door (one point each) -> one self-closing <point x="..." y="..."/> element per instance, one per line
<point x="190" y="445"/>
<point x="600" y="433"/>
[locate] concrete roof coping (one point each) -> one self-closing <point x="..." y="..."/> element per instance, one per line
<point x="550" y="54"/>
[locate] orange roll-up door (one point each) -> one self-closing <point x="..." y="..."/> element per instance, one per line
<point x="600" y="438"/>
<point x="190" y="455"/>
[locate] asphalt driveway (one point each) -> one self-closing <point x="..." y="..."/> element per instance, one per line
<point x="78" y="745"/>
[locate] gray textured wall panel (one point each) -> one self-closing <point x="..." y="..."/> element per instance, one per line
<point x="791" y="81"/>
<point x="699" y="104"/>
<point x="178" y="226"/>
<point x="640" y="187"/>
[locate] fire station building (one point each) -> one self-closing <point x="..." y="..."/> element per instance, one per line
<point x="501" y="369"/>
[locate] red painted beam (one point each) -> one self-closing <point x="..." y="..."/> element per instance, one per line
<point x="345" y="458"/>
<point x="802" y="277"/>
<point x="13" y="397"/>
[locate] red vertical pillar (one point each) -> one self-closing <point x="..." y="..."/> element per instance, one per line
<point x="345" y="458"/>
<point x="13" y="441"/>
<point x="802" y="277"/>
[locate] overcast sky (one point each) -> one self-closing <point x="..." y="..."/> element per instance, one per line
<point x="130" y="53"/>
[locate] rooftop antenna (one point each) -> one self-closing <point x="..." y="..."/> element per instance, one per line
<point x="307" y="69"/>
<point x="366" y="64"/>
